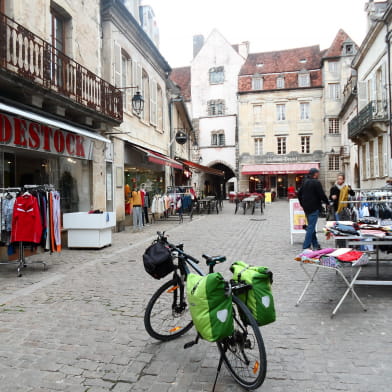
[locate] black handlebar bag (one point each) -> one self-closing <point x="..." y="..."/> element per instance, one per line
<point x="157" y="260"/>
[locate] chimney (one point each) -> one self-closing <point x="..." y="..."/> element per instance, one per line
<point x="243" y="49"/>
<point x="198" y="42"/>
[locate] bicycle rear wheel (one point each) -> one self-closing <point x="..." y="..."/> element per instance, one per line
<point x="243" y="352"/>
<point x="167" y="315"/>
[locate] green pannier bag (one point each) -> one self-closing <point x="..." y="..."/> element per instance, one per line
<point x="259" y="299"/>
<point x="210" y="307"/>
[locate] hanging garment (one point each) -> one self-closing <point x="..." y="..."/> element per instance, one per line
<point x="56" y="220"/>
<point x="26" y="220"/>
<point x="7" y="211"/>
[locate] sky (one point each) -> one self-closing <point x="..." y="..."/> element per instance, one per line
<point x="267" y="25"/>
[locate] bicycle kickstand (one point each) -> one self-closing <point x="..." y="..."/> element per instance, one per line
<point x="193" y="342"/>
<point x="218" y="371"/>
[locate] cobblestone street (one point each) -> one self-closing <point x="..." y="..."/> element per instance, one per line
<point x="78" y="325"/>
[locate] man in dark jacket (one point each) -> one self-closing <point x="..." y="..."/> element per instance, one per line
<point x="310" y="196"/>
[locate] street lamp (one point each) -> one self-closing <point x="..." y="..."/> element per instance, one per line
<point x="137" y="99"/>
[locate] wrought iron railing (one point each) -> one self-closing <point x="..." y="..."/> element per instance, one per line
<point x="29" y="56"/>
<point x="372" y="112"/>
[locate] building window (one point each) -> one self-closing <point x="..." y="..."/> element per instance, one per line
<point x="280" y="82"/>
<point x="257" y="83"/>
<point x="216" y="107"/>
<point x="258" y="146"/>
<point x="333" y="162"/>
<point x="348" y="49"/>
<point x="217" y="75"/>
<point x="218" y="138"/>
<point x="280" y="112"/>
<point x="304" y="110"/>
<point x="153" y="102"/>
<point x="305" y="144"/>
<point x="281" y="145"/>
<point x="333" y="66"/>
<point x="304" y="80"/>
<point x="257" y="114"/>
<point x="334" y="91"/>
<point x="333" y="126"/>
<point x="124" y="77"/>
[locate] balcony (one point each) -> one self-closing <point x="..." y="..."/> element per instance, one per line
<point x="28" y="56"/>
<point x="344" y="151"/>
<point x="366" y="119"/>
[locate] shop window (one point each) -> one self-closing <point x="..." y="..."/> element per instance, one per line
<point x="216" y="75"/>
<point x="333" y="126"/>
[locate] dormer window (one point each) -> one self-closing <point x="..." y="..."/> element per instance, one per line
<point x="348" y="49"/>
<point x="280" y="82"/>
<point x="257" y="83"/>
<point x="303" y="80"/>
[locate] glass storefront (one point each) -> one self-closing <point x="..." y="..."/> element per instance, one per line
<point x="70" y="176"/>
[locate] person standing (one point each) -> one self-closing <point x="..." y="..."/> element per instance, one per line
<point x="338" y="193"/>
<point x="311" y="195"/>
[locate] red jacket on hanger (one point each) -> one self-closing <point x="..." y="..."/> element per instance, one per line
<point x="26" y="220"/>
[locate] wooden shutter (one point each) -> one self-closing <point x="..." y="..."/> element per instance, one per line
<point x="117" y="64"/>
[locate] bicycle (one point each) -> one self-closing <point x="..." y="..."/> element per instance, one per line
<point x="167" y="317"/>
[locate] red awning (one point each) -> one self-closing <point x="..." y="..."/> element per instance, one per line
<point x="205" y="169"/>
<point x="278" y="168"/>
<point x="160" y="159"/>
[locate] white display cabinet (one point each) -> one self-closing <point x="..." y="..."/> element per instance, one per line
<point x="89" y="230"/>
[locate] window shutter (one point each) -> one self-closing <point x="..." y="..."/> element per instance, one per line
<point x="374" y="94"/>
<point x="361" y="162"/>
<point x="367" y="153"/>
<point x="385" y="153"/>
<point x="362" y="94"/>
<point x="384" y="88"/>
<point x="117" y="64"/>
<point x="375" y="158"/>
<point x="153" y="102"/>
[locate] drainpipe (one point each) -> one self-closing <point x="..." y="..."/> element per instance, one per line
<point x="387" y="40"/>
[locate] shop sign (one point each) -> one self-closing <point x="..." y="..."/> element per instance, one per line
<point x="21" y="133"/>
<point x="297" y="218"/>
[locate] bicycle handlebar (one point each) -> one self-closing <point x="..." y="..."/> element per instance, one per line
<point x="177" y="248"/>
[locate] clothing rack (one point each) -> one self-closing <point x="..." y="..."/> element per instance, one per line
<point x="21" y="261"/>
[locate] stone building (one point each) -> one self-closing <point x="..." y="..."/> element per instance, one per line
<point x="143" y="144"/>
<point x="370" y="129"/>
<point x="336" y="66"/>
<point x="280" y="99"/>
<point x="55" y="107"/>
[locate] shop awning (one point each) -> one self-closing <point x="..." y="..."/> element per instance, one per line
<point x="160" y="159"/>
<point x="278" y="168"/>
<point x="205" y="169"/>
<point x="53" y="123"/>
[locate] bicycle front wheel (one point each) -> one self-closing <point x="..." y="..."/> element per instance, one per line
<point x="243" y="352"/>
<point x="167" y="315"/>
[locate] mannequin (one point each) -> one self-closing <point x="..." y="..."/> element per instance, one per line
<point x="136" y="198"/>
<point x="146" y="203"/>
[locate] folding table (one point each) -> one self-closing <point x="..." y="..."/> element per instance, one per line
<point x="337" y="268"/>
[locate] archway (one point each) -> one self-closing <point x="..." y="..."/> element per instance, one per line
<point x="218" y="184"/>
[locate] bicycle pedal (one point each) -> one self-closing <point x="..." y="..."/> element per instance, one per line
<point x="189" y="344"/>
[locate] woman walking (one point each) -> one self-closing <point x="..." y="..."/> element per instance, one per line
<point x="339" y="193"/>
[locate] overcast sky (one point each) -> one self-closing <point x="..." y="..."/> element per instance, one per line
<point x="267" y="25"/>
